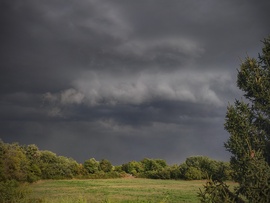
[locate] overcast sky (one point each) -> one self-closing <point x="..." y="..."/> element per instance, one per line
<point x="124" y="79"/>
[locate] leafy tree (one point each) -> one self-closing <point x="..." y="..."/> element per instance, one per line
<point x="205" y="168"/>
<point x="14" y="163"/>
<point x="154" y="168"/>
<point x="14" y="169"/>
<point x="91" y="166"/>
<point x="13" y="191"/>
<point x="57" y="167"/>
<point x="222" y="171"/>
<point x="248" y="123"/>
<point x="48" y="162"/>
<point x="133" y="167"/>
<point x="68" y="167"/>
<point x="193" y="173"/>
<point x="105" y="165"/>
<point x="153" y="164"/>
<point x="33" y="154"/>
<point x="175" y="172"/>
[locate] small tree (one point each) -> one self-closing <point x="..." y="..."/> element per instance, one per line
<point x="91" y="165"/>
<point x="105" y="165"/>
<point x="153" y="164"/>
<point x="248" y="123"/>
<point x="13" y="161"/>
<point x="14" y="170"/>
<point x="193" y="173"/>
<point x="33" y="154"/>
<point x="133" y="167"/>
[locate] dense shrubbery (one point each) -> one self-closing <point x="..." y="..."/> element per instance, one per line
<point x="29" y="164"/>
<point x="200" y="167"/>
<point x="194" y="168"/>
<point x="15" y="168"/>
<point x="13" y="191"/>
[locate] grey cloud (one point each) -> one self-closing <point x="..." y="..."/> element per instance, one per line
<point x="124" y="79"/>
<point x="178" y="86"/>
<point x="138" y="91"/>
<point x="160" y="52"/>
<point x="69" y="96"/>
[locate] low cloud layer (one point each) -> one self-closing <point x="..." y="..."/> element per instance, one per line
<point x="124" y="80"/>
<point x="97" y="89"/>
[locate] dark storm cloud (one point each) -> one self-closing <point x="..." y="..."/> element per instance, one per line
<point x="124" y="79"/>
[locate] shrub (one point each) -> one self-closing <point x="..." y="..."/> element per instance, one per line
<point x="193" y="173"/>
<point x="12" y="191"/>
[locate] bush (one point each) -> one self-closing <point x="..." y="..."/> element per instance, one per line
<point x="193" y="173"/>
<point x="12" y="191"/>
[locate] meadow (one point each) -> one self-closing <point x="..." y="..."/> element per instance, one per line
<point x="115" y="190"/>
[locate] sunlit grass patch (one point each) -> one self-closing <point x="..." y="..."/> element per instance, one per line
<point x="116" y="190"/>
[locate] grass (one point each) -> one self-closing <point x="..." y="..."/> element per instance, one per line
<point x="115" y="190"/>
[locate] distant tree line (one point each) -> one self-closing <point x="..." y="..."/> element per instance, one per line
<point x="21" y="164"/>
<point x="194" y="168"/>
<point x="29" y="164"/>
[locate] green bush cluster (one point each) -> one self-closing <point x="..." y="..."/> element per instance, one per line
<point x="29" y="164"/>
<point x="15" y="169"/>
<point x="13" y="191"/>
<point x="194" y="168"/>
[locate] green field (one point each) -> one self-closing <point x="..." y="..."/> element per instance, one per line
<point x="115" y="190"/>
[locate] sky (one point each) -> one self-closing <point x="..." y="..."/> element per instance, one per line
<point x="124" y="80"/>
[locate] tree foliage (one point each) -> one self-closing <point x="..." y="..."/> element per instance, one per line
<point x="202" y="167"/>
<point x="91" y="166"/>
<point x="194" y="168"/>
<point x="105" y="165"/>
<point x="14" y="163"/>
<point x="248" y="123"/>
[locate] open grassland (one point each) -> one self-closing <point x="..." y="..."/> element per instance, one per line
<point x="115" y="190"/>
